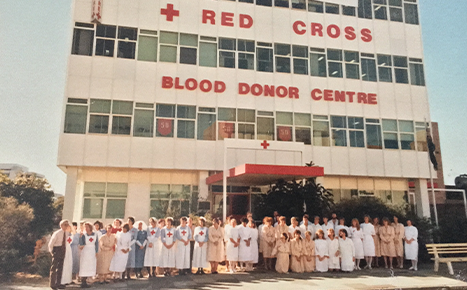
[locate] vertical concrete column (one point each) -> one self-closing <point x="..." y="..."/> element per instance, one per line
<point x="421" y="198"/>
<point x="138" y="201"/>
<point x="70" y="194"/>
<point x="202" y="186"/>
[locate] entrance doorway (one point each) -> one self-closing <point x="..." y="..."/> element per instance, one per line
<point x="238" y="204"/>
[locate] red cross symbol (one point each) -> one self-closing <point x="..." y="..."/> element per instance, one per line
<point x="169" y="12"/>
<point x="183" y="232"/>
<point x="265" y="144"/>
<point x="153" y="232"/>
<point x="201" y="233"/>
<point x="69" y="240"/>
<point x="170" y="234"/>
<point x="91" y="240"/>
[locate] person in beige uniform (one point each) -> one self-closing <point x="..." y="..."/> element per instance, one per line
<point x="106" y="252"/>
<point x="57" y="248"/>
<point x="377" y="240"/>
<point x="386" y="233"/>
<point x="215" y="245"/>
<point x="268" y="241"/>
<point x="399" y="232"/>
<point x="281" y="228"/>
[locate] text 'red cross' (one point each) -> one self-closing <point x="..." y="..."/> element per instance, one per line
<point x="170" y="234"/>
<point x="170" y="12"/>
<point x="69" y="240"/>
<point x="265" y="144"/>
<point x="91" y="240"/>
<point x="183" y="232"/>
<point x="153" y="232"/>
<point x="201" y="233"/>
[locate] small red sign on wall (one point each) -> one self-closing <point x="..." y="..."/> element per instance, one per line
<point x="284" y="133"/>
<point x="164" y="126"/>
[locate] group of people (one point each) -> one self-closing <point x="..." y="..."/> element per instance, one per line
<point x="87" y="251"/>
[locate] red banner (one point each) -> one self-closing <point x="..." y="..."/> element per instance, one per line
<point x="96" y="15"/>
<point x="164" y="126"/>
<point x="226" y="130"/>
<point x="284" y="133"/>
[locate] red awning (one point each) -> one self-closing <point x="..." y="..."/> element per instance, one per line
<point x="259" y="174"/>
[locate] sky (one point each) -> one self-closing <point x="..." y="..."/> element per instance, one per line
<point x="35" y="44"/>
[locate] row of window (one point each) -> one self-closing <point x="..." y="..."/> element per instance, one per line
<point x="173" y="47"/>
<point x="203" y="123"/>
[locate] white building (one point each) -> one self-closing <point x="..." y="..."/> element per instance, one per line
<point x="158" y="90"/>
<point x="12" y="170"/>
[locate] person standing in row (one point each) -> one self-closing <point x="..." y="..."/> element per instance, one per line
<point x="333" y="246"/>
<point x="67" y="274"/>
<point x="233" y="241"/>
<point x="106" y="252"/>
<point x="131" y="255"/>
<point x="141" y="242"/>
<point x="75" y="250"/>
<point x="377" y="241"/>
<point x="315" y="227"/>
<point x="120" y="258"/>
<point x="244" y="247"/>
<point x="357" y="239"/>
<point x="388" y="250"/>
<point x="268" y="238"/>
<point x="227" y="228"/>
<point x="309" y="258"/>
<point x="398" y="242"/>
<point x="346" y="252"/>
<point x="368" y="241"/>
<point x="296" y="252"/>
<point x="168" y="247"/>
<point x="192" y="242"/>
<point x="57" y="247"/>
<point x="215" y="245"/>
<point x="411" y="244"/>
<point x="151" y="257"/>
<point x="117" y="226"/>
<point x="326" y="226"/>
<point x="281" y="228"/>
<point x="293" y="227"/>
<point x="89" y="245"/>
<point x="254" y="255"/>
<point x="322" y="252"/>
<point x="305" y="226"/>
<point x="334" y="221"/>
<point x="282" y="252"/>
<point x="201" y="236"/>
<point x="341" y="226"/>
<point x="183" y="236"/>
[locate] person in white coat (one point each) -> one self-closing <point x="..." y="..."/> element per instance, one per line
<point x="168" y="247"/>
<point x="183" y="236"/>
<point x="368" y="241"/>
<point x="411" y="244"/>
<point x="293" y="227"/>
<point x="305" y="226"/>
<point x="315" y="226"/>
<point x="322" y="252"/>
<point x="200" y="250"/>
<point x="346" y="251"/>
<point x="326" y="226"/>
<point x="254" y="244"/>
<point x="233" y="241"/>
<point x="333" y="247"/>
<point x="151" y="259"/>
<point x="342" y="225"/>
<point x="357" y="239"/>
<point x="120" y="258"/>
<point x="68" y="262"/>
<point x="244" y="256"/>
<point x="89" y="245"/>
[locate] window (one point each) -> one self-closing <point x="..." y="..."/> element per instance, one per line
<point x="104" y="200"/>
<point x="352" y="69"/>
<point x="208" y="51"/>
<point x="170" y="199"/>
<point x="380" y="9"/>
<point x="356" y="132"/>
<point x="143" y="126"/>
<point x="395" y="10"/>
<point x="186" y="116"/>
<point x="83" y="39"/>
<point x="406" y="132"/>
<point x="411" y="13"/>
<point x="299" y="4"/>
<point x="390" y="137"/>
<point x="121" y="117"/>
<point x="315" y="6"/>
<point x="281" y="3"/>
<point x="335" y="63"/>
<point x="302" y="123"/>
<point x="246" y="123"/>
<point x="168" y="46"/>
<point x="188" y="48"/>
<point x="265" y="125"/>
<point x="264" y="56"/>
<point x="417" y="76"/>
<point x="246" y="1"/>
<point x="206" y="124"/>
<point x="321" y="130"/>
<point x="127" y="42"/>
<point x="332" y="8"/>
<point x="147" y="45"/>
<point x="99" y="116"/>
<point x="420" y="131"/>
<point x="384" y="68"/>
<point x="165" y="114"/>
<point x="284" y="122"/>
<point x="348" y="10"/>
<point x="264" y="2"/>
<point x="246" y="54"/>
<point x="317" y="62"/>
<point x="364" y="9"/>
<point x="227" y="47"/>
<point x="339" y="132"/>
<point x="105" y="40"/>
<point x="300" y="59"/>
<point x="76" y="116"/>
<point x="226" y="122"/>
<point x="373" y="134"/>
<point x="368" y="67"/>
<point x="400" y="69"/>
<point x="282" y="53"/>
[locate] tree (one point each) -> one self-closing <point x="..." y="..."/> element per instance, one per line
<point x="58" y="208"/>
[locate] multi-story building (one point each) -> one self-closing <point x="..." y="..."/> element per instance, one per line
<point x="161" y="93"/>
<point x="12" y="170"/>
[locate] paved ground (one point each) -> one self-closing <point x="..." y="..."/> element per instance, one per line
<point x="425" y="278"/>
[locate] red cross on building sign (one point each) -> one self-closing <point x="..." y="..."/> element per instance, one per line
<point x="265" y="144"/>
<point x="96" y="15"/>
<point x="170" y="12"/>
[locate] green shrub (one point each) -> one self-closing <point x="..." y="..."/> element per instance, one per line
<point x="43" y="264"/>
<point x="10" y="261"/>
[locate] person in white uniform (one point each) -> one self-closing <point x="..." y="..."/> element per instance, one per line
<point x="200" y="251"/>
<point x="342" y="225"/>
<point x="368" y="241"/>
<point x="321" y="251"/>
<point x="326" y="226"/>
<point x="334" y="221"/>
<point x="227" y="228"/>
<point x="89" y="245"/>
<point x="346" y="251"/>
<point x="183" y="236"/>
<point x="333" y="247"/>
<point x="244" y="252"/>
<point x="68" y="262"/>
<point x="357" y="239"/>
<point x="315" y="226"/>
<point x="293" y="227"/>
<point x="254" y="246"/>
<point x="151" y="259"/>
<point x="233" y="241"/>
<point x="305" y="226"/>
<point x="168" y="247"/>
<point x="411" y="244"/>
<point x="120" y="258"/>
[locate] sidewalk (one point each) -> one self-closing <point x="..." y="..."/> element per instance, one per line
<point x="259" y="280"/>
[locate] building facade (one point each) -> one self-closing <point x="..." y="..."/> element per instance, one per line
<point x="158" y="91"/>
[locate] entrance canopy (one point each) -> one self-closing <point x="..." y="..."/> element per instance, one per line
<point x="259" y="174"/>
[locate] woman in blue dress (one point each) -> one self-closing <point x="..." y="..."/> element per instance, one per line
<point x="141" y="241"/>
<point x="75" y="250"/>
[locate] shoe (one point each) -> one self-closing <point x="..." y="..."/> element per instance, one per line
<point x="61" y="287"/>
<point x="369" y="267"/>
<point x="401" y="267"/>
<point x="366" y="267"/>
<point x="215" y="272"/>
<point x="358" y="268"/>
<point x="415" y="269"/>
<point x="411" y="268"/>
<point x="202" y="272"/>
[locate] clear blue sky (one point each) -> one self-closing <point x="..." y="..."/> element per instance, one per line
<point x="33" y="56"/>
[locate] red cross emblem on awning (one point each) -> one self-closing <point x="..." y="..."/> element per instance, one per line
<point x="201" y="233"/>
<point x="153" y="232"/>
<point x="170" y="12"/>
<point x="91" y="239"/>
<point x="265" y="144"/>
<point x="170" y="234"/>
